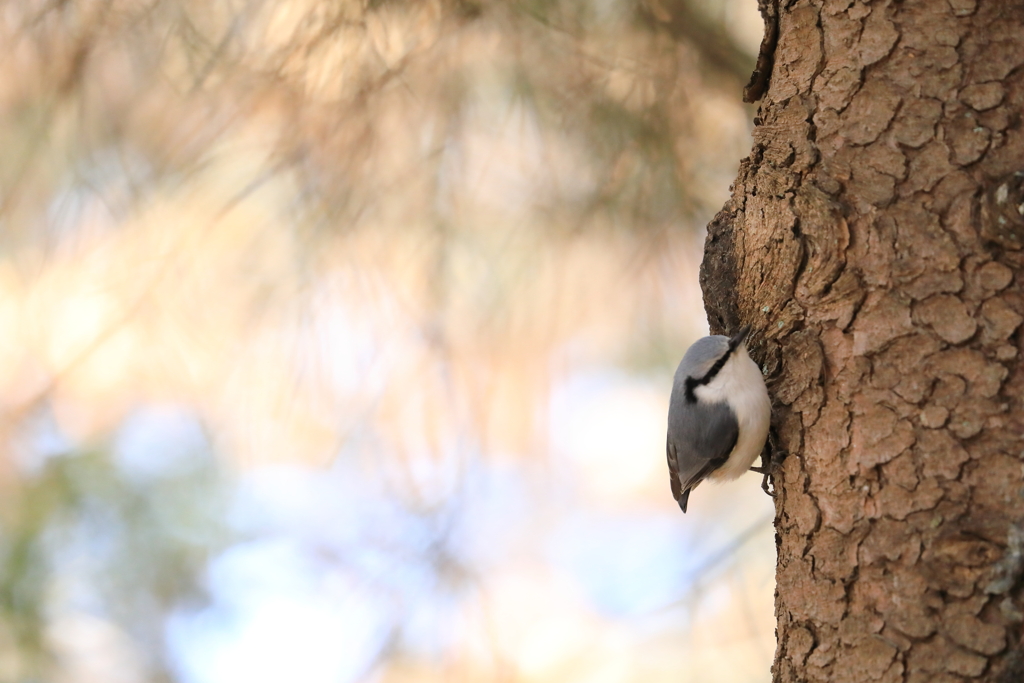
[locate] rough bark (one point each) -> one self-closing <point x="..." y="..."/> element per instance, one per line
<point x="874" y="241"/>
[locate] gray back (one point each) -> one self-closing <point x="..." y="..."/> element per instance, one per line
<point x="701" y="437"/>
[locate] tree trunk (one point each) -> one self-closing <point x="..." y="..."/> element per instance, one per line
<point x="874" y="240"/>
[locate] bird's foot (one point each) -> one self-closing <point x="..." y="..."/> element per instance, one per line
<point x="771" y="456"/>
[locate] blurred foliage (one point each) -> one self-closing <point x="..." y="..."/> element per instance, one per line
<point x="379" y="232"/>
<point x="79" y="533"/>
<point x="361" y="97"/>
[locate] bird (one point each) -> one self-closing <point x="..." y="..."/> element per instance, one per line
<point x="719" y="414"/>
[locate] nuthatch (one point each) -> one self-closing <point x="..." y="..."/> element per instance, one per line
<point x="718" y="416"/>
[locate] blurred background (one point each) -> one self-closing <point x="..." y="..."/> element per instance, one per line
<point x="336" y="341"/>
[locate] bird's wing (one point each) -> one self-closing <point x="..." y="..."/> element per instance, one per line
<point x="698" y="445"/>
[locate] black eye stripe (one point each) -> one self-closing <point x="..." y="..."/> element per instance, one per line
<point x="694" y="382"/>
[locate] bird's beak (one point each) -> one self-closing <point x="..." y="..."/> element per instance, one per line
<point x="740" y="336"/>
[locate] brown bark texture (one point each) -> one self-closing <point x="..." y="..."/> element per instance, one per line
<point x="874" y="241"/>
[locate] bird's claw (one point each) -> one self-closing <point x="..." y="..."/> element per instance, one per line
<point x="770" y="457"/>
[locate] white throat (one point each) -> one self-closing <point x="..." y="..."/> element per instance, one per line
<point x="740" y="384"/>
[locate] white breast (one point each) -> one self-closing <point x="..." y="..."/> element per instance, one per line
<point x="740" y="384"/>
